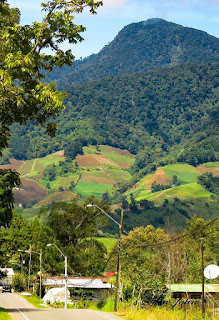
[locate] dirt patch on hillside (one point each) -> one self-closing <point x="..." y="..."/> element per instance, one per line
<point x="124" y="165"/>
<point x="120" y="151"/>
<point x="13" y="165"/>
<point x="37" y="177"/>
<point x="59" y="154"/>
<point x="93" y="160"/>
<point x="29" y="191"/>
<point x="160" y="177"/>
<point x="215" y="171"/>
<point x="100" y="178"/>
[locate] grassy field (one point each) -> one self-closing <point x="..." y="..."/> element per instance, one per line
<point x="4" y="315"/>
<point x="108" y="242"/>
<point x="86" y="189"/>
<point x="211" y="164"/>
<point x="185" y="173"/>
<point x="186" y="191"/>
<point x="64" y="182"/>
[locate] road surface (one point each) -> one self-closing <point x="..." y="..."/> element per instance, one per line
<point x="20" y="309"/>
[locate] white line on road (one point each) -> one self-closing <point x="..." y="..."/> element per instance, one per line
<point x="23" y="315"/>
<point x="102" y="314"/>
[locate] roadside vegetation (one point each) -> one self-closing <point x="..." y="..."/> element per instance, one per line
<point x="4" y="315"/>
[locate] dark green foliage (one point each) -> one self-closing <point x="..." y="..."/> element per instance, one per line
<point x="19" y="282"/>
<point x="73" y="148"/>
<point x="158" y="187"/>
<point x="62" y="169"/>
<point x="8" y="180"/>
<point x="209" y="182"/>
<point x="174" y="213"/>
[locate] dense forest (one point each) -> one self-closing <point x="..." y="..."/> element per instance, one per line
<point x="167" y="114"/>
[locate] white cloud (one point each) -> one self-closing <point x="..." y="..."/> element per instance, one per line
<point x="113" y="3"/>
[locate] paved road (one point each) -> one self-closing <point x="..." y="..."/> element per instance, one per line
<point x="20" y="309"/>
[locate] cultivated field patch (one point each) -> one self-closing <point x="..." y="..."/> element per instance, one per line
<point x="56" y="196"/>
<point x="185" y="173"/>
<point x="86" y="189"/>
<point x="214" y="171"/>
<point x="116" y="150"/>
<point x="13" y="165"/>
<point x="160" y="177"/>
<point x="64" y="182"/>
<point x="93" y="160"/>
<point x="29" y="191"/>
<point x="97" y="177"/>
<point x="182" y="192"/>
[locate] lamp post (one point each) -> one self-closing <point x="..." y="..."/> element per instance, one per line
<point x="40" y="257"/>
<point x="203" y="284"/>
<point x="119" y="252"/>
<point x="65" y="257"/>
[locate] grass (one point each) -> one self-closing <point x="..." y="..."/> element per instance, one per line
<point x="35" y="300"/>
<point x="64" y="182"/>
<point x="185" y="173"/>
<point x="26" y="168"/>
<point x="108" y="242"/>
<point x="211" y="164"/>
<point x="160" y="313"/>
<point x="4" y="315"/>
<point x="86" y="189"/>
<point x="186" y="191"/>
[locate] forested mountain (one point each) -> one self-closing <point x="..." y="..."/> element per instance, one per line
<point x="141" y="46"/>
<point x="157" y="97"/>
<point x="152" y="114"/>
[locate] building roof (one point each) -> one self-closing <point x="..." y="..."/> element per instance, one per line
<point x="86" y="283"/>
<point x="213" y="288"/>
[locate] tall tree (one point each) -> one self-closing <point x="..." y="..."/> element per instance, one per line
<point x="22" y="65"/>
<point x="23" y="95"/>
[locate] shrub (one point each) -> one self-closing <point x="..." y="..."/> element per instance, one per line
<point x="19" y="282"/>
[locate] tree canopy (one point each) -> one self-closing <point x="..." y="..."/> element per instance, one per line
<point x="23" y="61"/>
<point x="23" y="94"/>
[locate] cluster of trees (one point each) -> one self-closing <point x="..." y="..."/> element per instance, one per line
<point x="209" y="182"/>
<point x="151" y="258"/>
<point x="174" y="212"/>
<point x="71" y="226"/>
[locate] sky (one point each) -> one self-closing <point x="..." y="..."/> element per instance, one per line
<point x="103" y="27"/>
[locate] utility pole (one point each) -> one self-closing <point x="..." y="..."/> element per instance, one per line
<point x="169" y="272"/>
<point x="118" y="264"/>
<point x="202" y="269"/>
<point x="66" y="282"/>
<point x="40" y="273"/>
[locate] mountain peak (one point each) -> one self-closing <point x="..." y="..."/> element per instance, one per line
<point x="152" y="21"/>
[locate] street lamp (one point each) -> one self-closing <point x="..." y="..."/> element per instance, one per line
<point x="53" y="244"/>
<point x="40" y="257"/>
<point x="119" y="251"/>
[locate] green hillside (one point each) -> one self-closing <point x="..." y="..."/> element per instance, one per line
<point x="162" y="116"/>
<point x="53" y="178"/>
